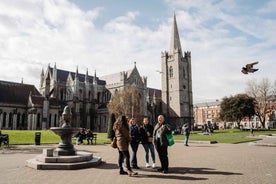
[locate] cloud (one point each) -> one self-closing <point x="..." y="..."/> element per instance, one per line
<point x="220" y="38"/>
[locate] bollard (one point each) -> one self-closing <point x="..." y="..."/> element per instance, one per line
<point x="37" y="138"/>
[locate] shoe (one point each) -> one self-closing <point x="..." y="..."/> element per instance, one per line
<point x="147" y="165"/>
<point x="135" y="167"/>
<point x="160" y="169"/>
<point x="153" y="165"/>
<point x="165" y="171"/>
<point x="132" y="173"/>
<point x="123" y="173"/>
<point x="186" y="145"/>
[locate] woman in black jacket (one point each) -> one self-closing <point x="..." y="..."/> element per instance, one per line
<point x="146" y="131"/>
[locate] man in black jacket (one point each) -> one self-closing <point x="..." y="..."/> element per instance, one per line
<point x="161" y="143"/>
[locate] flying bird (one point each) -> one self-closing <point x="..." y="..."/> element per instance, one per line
<point x="249" y="68"/>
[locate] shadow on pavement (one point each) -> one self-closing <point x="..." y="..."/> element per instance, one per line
<point x="191" y="170"/>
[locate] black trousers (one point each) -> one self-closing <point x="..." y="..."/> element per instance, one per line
<point x="163" y="155"/>
<point x="122" y="155"/>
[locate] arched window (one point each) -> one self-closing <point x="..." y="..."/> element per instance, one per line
<point x="50" y="120"/>
<point x="55" y="121"/>
<point x="18" y="120"/>
<point x="38" y="125"/>
<point x="10" y="120"/>
<point x="171" y="72"/>
<point x="4" y="119"/>
<point x="23" y="121"/>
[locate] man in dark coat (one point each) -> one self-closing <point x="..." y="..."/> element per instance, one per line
<point x="161" y="143"/>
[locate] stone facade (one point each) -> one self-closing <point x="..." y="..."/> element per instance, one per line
<point x="22" y="106"/>
<point x="177" y="95"/>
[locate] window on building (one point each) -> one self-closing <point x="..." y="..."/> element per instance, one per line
<point x="171" y="72"/>
<point x="38" y="125"/>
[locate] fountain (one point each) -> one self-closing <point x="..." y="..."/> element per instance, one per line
<point x="64" y="156"/>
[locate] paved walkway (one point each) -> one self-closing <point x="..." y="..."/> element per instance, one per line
<point x="198" y="163"/>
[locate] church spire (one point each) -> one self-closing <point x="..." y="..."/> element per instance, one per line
<point x="175" y="40"/>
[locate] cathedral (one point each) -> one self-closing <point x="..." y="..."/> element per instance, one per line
<point x="22" y="106"/>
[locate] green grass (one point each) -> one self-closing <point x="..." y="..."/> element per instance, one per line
<point x="231" y="136"/>
<point x="47" y="137"/>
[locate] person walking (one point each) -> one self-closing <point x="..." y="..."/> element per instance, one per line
<point x="146" y="131"/>
<point x="135" y="140"/>
<point x="186" y="131"/>
<point x="161" y="143"/>
<point x="121" y="130"/>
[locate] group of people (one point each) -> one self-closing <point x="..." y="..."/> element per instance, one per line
<point x="127" y="132"/>
<point x="84" y="134"/>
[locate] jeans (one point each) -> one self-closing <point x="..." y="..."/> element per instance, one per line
<point x="186" y="139"/>
<point x="134" y="147"/>
<point x="150" y="147"/>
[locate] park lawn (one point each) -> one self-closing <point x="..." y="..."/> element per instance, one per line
<point x="17" y="137"/>
<point x="231" y="136"/>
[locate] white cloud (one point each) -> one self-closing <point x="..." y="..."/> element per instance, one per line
<point x="35" y="33"/>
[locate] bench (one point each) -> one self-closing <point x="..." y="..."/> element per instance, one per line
<point x="91" y="139"/>
<point x="4" y="138"/>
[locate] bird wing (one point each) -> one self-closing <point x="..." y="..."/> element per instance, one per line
<point x="249" y="66"/>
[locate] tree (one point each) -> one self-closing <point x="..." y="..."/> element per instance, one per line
<point x="237" y="107"/>
<point x="110" y="131"/>
<point x="261" y="92"/>
<point x="126" y="102"/>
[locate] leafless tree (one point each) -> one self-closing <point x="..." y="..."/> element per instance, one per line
<point x="126" y="102"/>
<point x="261" y="91"/>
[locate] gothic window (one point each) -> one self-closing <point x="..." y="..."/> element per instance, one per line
<point x="184" y="73"/>
<point x="55" y="120"/>
<point x="4" y="119"/>
<point x="18" y="120"/>
<point x="171" y="72"/>
<point x="10" y="120"/>
<point x="38" y="120"/>
<point x="81" y="95"/>
<point x="50" y="120"/>
<point x="23" y="120"/>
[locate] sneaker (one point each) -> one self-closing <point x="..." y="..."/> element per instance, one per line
<point x="153" y="165"/>
<point x="147" y="165"/>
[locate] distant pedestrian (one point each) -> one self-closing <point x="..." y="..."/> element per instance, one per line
<point x="146" y="131"/>
<point x="186" y="131"/>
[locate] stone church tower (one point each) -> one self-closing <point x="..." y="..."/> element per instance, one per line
<point x="177" y="95"/>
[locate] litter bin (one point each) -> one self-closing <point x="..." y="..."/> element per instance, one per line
<point x="37" y="138"/>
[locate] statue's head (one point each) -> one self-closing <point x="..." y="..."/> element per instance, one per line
<point x="66" y="115"/>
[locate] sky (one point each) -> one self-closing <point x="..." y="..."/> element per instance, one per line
<point x="108" y="36"/>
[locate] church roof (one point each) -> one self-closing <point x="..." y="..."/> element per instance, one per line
<point x="115" y="77"/>
<point x="156" y="92"/>
<point x="16" y="93"/>
<point x="62" y="76"/>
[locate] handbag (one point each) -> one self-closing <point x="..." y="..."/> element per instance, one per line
<point x="113" y="143"/>
<point x="170" y="139"/>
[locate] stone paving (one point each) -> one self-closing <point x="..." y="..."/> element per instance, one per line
<point x="198" y="163"/>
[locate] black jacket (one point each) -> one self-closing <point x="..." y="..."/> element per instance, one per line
<point x="144" y="136"/>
